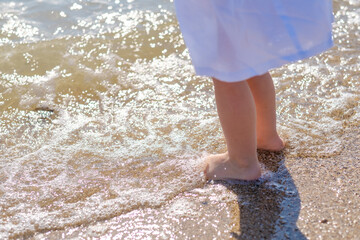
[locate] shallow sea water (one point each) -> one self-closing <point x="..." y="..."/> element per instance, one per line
<point x="103" y="120"/>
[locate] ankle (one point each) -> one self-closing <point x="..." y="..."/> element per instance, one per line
<point x="244" y="162"/>
<point x="266" y="133"/>
<point x="270" y="142"/>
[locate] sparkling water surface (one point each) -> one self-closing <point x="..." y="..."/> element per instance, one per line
<point x="101" y="114"/>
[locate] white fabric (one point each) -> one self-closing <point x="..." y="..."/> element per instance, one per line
<point x="233" y="40"/>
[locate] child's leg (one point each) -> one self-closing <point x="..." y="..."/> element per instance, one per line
<point x="236" y="109"/>
<point x="263" y="91"/>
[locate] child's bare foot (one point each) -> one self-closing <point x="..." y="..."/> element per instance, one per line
<point x="220" y="167"/>
<point x="274" y="143"/>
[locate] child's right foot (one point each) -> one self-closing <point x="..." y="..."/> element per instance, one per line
<point x="271" y="144"/>
<point x="220" y="167"/>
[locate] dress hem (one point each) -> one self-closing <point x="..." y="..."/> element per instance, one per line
<point x="260" y="69"/>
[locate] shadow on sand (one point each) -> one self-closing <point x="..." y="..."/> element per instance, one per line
<point x="269" y="208"/>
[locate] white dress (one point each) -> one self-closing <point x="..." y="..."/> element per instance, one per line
<point x="233" y="40"/>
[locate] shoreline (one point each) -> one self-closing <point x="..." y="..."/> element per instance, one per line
<point x="315" y="198"/>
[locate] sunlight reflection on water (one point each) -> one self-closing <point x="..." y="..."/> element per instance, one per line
<point x="101" y="112"/>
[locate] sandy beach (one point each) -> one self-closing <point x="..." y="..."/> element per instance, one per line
<point x="318" y="199"/>
<point x="103" y="123"/>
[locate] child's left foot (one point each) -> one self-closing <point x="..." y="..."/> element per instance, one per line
<point x="221" y="167"/>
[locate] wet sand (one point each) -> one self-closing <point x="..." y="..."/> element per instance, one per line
<point x="316" y="198"/>
<point x="329" y="192"/>
<point x="102" y="121"/>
